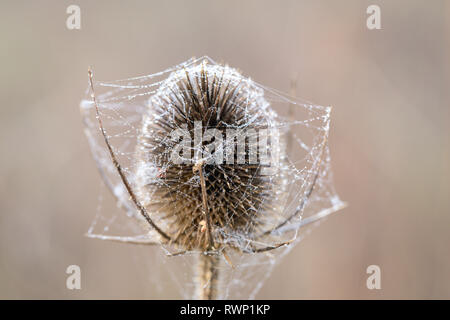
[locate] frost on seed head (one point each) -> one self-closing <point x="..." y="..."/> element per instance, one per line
<point x="222" y="165"/>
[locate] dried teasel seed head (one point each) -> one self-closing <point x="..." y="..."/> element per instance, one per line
<point x="237" y="194"/>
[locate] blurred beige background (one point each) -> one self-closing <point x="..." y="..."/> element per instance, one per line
<point x="389" y="141"/>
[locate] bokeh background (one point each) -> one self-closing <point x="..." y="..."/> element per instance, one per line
<point x="389" y="139"/>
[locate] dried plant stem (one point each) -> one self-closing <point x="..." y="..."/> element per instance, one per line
<point x="199" y="167"/>
<point x="207" y="281"/>
<point x="207" y="265"/>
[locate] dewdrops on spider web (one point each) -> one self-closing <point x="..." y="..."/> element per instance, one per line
<point x="216" y="169"/>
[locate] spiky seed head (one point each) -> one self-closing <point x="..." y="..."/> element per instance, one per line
<point x="238" y="194"/>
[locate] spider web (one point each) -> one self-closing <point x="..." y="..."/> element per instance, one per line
<point x="303" y="193"/>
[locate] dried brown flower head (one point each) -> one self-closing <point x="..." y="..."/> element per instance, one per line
<point x="212" y="170"/>
<point x="200" y="199"/>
